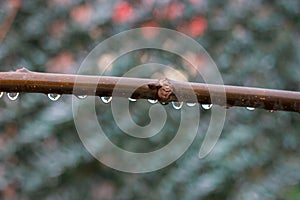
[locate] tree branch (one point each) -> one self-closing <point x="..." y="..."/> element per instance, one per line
<point x="163" y="90"/>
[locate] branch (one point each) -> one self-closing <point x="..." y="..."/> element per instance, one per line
<point x="163" y="90"/>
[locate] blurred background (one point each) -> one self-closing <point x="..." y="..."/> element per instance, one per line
<point x="254" y="43"/>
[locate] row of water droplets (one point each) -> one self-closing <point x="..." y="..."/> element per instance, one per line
<point x="176" y="105"/>
<point x="14" y="96"/>
<point x="11" y="95"/>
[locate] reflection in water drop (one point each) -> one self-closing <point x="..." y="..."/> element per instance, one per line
<point x="13" y="95"/>
<point x="81" y="96"/>
<point x="131" y="99"/>
<point x="250" y="108"/>
<point x="106" y="99"/>
<point x="152" y="101"/>
<point x="53" y="96"/>
<point x="206" y="106"/>
<point x="1" y="94"/>
<point x="190" y="104"/>
<point x="177" y="105"/>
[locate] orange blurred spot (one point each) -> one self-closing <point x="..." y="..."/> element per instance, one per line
<point x="152" y="33"/>
<point x="57" y="28"/>
<point x="11" y="130"/>
<point x="9" y="19"/>
<point x="174" y="10"/>
<point x="10" y="192"/>
<point x="170" y="12"/>
<point x="15" y="4"/>
<point x="62" y="63"/>
<point x="82" y="14"/>
<point x="196" y="1"/>
<point x="122" y="12"/>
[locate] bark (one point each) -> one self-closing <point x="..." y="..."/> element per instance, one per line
<point x="164" y="90"/>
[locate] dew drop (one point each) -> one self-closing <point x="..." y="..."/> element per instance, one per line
<point x="250" y="108"/>
<point x="53" y="96"/>
<point x="81" y="96"/>
<point x="106" y="99"/>
<point x="1" y="94"/>
<point x="206" y="106"/>
<point x="177" y="105"/>
<point x="131" y="99"/>
<point x="13" y="95"/>
<point x="271" y="111"/>
<point x="190" y="104"/>
<point x="153" y="101"/>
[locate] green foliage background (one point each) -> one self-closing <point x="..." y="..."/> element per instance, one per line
<point x="254" y="43"/>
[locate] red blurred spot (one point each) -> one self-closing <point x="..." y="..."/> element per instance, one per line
<point x="197" y="26"/>
<point x="57" y="28"/>
<point x="148" y="34"/>
<point x="82" y="14"/>
<point x="122" y="12"/>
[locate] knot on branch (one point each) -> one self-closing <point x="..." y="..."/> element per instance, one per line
<point x="164" y="89"/>
<point x="23" y="70"/>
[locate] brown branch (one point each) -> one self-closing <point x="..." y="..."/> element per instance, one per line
<point x="163" y="90"/>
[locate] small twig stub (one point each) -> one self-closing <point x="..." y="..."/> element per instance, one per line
<point x="164" y="89"/>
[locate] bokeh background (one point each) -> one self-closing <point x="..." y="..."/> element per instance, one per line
<point x="254" y="43"/>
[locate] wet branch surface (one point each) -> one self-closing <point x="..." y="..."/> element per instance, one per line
<point x="163" y="90"/>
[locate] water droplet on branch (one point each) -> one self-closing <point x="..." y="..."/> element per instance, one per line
<point x="131" y="99"/>
<point x="106" y="99"/>
<point x="190" y="104"/>
<point x="81" y="96"/>
<point x="206" y="106"/>
<point x="177" y="105"/>
<point x="53" y="96"/>
<point x="250" y="108"/>
<point x="152" y="101"/>
<point x="13" y="95"/>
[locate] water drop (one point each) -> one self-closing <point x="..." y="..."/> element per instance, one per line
<point x="106" y="99"/>
<point x="164" y="103"/>
<point x="190" y="104"/>
<point x="13" y="95"/>
<point x="271" y="111"/>
<point x="206" y="106"/>
<point x="81" y="96"/>
<point x="53" y="96"/>
<point x="1" y="94"/>
<point x="152" y="101"/>
<point x="131" y="99"/>
<point x="250" y="108"/>
<point x="177" y="105"/>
